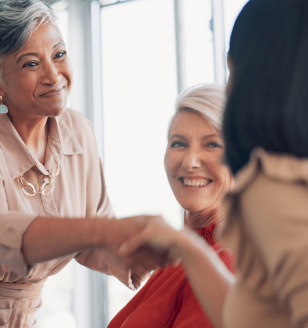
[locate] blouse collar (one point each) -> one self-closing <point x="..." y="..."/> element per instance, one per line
<point x="61" y="141"/>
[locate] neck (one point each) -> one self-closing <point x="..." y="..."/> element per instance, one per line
<point x="34" y="134"/>
<point x="202" y="219"/>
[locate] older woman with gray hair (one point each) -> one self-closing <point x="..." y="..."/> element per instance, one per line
<point x="53" y="200"/>
<point x="199" y="179"/>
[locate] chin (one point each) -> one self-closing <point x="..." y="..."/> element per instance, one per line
<point x="56" y="112"/>
<point x="193" y="208"/>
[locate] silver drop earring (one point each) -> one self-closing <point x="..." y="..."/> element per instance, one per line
<point x="3" y="108"/>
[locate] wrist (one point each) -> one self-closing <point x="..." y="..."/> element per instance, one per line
<point x="190" y="244"/>
<point x="178" y="246"/>
<point x="99" y="232"/>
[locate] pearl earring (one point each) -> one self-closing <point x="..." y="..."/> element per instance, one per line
<point x="3" y="108"/>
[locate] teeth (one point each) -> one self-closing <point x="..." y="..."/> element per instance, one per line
<point x="195" y="182"/>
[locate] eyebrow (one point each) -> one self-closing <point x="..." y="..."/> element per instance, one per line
<point x="208" y="136"/>
<point x="35" y="53"/>
<point x="177" y="136"/>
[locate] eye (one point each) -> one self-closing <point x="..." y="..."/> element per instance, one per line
<point x="30" y="64"/>
<point x="214" y="145"/>
<point x="177" y="144"/>
<point x="60" y="54"/>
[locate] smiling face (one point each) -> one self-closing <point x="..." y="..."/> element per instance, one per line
<point x="193" y="163"/>
<point x="36" y="80"/>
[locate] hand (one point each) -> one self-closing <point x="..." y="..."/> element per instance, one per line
<point x="158" y="240"/>
<point x="143" y="261"/>
<point x="130" y="276"/>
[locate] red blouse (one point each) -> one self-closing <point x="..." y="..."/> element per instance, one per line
<point x="167" y="300"/>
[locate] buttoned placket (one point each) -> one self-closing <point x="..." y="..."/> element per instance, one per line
<point x="17" y="160"/>
<point x="47" y="200"/>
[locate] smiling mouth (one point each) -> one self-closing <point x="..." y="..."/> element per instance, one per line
<point x="195" y="182"/>
<point x="54" y="92"/>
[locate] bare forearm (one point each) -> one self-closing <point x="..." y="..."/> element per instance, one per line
<point x="208" y="277"/>
<point x="49" y="238"/>
<point x="207" y="274"/>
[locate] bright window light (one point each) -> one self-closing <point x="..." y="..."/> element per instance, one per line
<point x="139" y="91"/>
<point x="197" y="39"/>
<point x="60" y="6"/>
<point x="232" y="9"/>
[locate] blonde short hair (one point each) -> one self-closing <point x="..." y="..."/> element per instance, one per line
<point x="207" y="99"/>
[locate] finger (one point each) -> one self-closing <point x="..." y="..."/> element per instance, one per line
<point x="141" y="271"/>
<point x="130" y="246"/>
<point x="176" y="263"/>
<point x="146" y="259"/>
<point x="128" y="282"/>
<point x="131" y="286"/>
<point x="151" y="257"/>
<point x="136" y="280"/>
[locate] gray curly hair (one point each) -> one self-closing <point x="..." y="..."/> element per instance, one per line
<point x="19" y="19"/>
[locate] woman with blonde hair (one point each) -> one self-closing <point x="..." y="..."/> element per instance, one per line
<point x="266" y="135"/>
<point x="198" y="179"/>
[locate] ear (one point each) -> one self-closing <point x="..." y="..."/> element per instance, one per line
<point x="2" y="93"/>
<point x="2" y="83"/>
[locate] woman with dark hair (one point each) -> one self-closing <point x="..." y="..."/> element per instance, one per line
<point x="266" y="136"/>
<point x="266" y="133"/>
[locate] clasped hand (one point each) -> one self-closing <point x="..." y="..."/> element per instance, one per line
<point x="144" y="243"/>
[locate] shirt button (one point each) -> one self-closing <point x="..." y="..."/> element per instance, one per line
<point x="24" y="299"/>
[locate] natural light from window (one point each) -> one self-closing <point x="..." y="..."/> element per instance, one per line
<point x="139" y="90"/>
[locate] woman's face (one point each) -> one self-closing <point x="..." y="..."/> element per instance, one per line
<point x="193" y="162"/>
<point x="36" y="80"/>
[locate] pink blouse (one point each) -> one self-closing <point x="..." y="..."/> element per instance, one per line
<point x="78" y="191"/>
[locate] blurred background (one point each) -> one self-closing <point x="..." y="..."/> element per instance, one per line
<point x="131" y="58"/>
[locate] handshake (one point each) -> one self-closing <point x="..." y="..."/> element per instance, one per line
<point x="141" y="244"/>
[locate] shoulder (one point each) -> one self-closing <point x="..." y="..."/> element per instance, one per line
<point x="270" y="190"/>
<point x="75" y="119"/>
<point x="76" y="132"/>
<point x="75" y="123"/>
<point x="282" y="168"/>
<point x="271" y="177"/>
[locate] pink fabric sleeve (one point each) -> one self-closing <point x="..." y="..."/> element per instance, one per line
<point x="99" y="259"/>
<point x="12" y="227"/>
<point x="13" y="224"/>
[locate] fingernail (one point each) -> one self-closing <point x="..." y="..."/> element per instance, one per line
<point x="132" y="287"/>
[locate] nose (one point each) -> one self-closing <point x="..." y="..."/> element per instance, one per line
<point x="191" y="160"/>
<point x="51" y="74"/>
